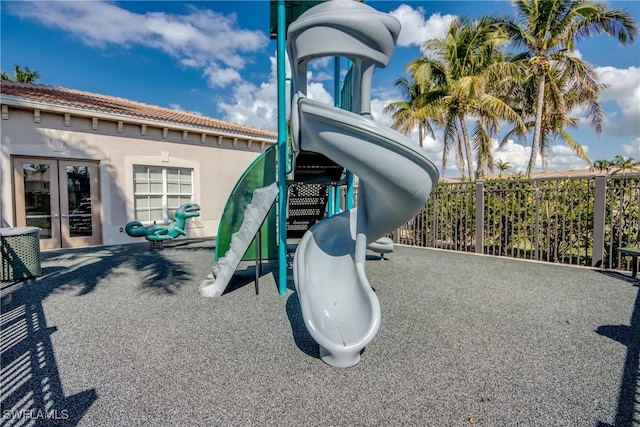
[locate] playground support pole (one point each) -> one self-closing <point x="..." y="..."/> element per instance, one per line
<point x="336" y="81"/>
<point x="333" y="201"/>
<point x="350" y="202"/>
<point x="350" y="191"/>
<point x="282" y="152"/>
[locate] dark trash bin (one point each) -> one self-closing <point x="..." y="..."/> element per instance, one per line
<point x="19" y="253"/>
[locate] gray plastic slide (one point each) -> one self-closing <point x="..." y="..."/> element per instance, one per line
<point x="255" y="213"/>
<point x="339" y="307"/>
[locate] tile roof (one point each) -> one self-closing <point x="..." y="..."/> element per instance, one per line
<point x="63" y="97"/>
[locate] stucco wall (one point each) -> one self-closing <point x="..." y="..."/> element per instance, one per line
<point x="216" y="162"/>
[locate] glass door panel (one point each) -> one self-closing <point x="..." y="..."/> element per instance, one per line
<point x="36" y="194"/>
<point x="79" y="200"/>
<point x="79" y="203"/>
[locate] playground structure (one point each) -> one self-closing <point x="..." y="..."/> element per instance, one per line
<point x="328" y="144"/>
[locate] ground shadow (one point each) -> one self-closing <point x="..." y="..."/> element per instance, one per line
<point x="304" y="341"/>
<point x="628" y="410"/>
<point x="185" y="242"/>
<point x="31" y="389"/>
<point x="625" y="277"/>
<point x="157" y="272"/>
<point x="247" y="276"/>
<point x="301" y="335"/>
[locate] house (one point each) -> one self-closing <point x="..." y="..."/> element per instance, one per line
<point x="80" y="165"/>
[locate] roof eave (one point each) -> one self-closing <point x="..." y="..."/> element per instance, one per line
<point x="20" y="102"/>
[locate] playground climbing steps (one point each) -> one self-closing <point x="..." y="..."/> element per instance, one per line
<point x="308" y="192"/>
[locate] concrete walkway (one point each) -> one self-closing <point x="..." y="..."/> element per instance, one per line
<point x="120" y="336"/>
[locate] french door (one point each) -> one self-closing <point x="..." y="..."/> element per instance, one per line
<point x="61" y="197"/>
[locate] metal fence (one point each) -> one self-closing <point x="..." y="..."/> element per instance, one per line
<point x="577" y="221"/>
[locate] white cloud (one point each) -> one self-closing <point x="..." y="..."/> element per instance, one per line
<point x="623" y="87"/>
<point x="511" y="152"/>
<point x="253" y="105"/>
<point x="221" y="77"/>
<point x="415" y="29"/>
<point x="96" y="23"/>
<point x="322" y="76"/>
<point x="199" y="38"/>
<point x="632" y="149"/>
<point x="320" y="63"/>
<point x="257" y="105"/>
<point x="377" y="106"/>
<point x="575" y="53"/>
<point x="560" y="157"/>
<point x="318" y="92"/>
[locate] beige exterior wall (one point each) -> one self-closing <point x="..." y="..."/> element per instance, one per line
<point x="217" y="160"/>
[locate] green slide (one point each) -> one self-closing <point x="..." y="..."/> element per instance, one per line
<point x="260" y="173"/>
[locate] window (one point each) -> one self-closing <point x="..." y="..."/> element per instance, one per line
<point x="159" y="191"/>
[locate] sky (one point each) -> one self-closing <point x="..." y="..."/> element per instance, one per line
<point x="215" y="58"/>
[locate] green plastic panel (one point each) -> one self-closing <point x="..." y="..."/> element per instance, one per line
<point x="260" y="173"/>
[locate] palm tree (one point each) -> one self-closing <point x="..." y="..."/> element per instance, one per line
<point x="623" y="163"/>
<point x="563" y="94"/>
<point x="412" y="112"/>
<point x="460" y="68"/>
<point x="21" y="75"/>
<point x="602" y="165"/>
<point x="548" y="31"/>
<point x="433" y="74"/>
<point x="502" y="166"/>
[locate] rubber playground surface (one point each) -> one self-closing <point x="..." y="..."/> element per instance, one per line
<point x="119" y="336"/>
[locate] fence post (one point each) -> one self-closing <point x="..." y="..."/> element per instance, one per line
<point x="479" y="217"/>
<point x="536" y="224"/>
<point x="599" y="207"/>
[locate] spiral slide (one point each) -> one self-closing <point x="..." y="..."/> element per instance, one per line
<point x="339" y="307"/>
